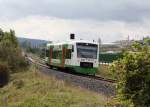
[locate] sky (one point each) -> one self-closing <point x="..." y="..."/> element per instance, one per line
<point x="54" y="20"/>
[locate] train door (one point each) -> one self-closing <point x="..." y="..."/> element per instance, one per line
<point x="63" y="57"/>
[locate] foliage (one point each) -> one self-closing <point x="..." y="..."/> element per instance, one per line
<point x="10" y="51"/>
<point x="147" y="40"/>
<point x="109" y="57"/>
<point x="4" y="74"/>
<point x="133" y="75"/>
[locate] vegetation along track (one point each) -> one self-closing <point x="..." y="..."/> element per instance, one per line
<point x="93" y="83"/>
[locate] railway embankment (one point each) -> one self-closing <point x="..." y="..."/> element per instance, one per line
<point x="33" y="88"/>
<point x="99" y="85"/>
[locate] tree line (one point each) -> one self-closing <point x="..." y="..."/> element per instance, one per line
<point x="38" y="50"/>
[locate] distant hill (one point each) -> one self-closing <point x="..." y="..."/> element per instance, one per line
<point x="33" y="42"/>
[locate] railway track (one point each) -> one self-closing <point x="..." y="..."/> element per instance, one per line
<point x="94" y="83"/>
<point x="88" y="76"/>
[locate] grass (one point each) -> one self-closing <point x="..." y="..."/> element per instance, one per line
<point x="104" y="71"/>
<point x="33" y="89"/>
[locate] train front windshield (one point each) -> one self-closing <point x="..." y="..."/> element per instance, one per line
<point x="87" y="50"/>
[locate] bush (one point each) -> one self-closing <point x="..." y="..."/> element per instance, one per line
<point x="133" y="75"/>
<point x="10" y="51"/>
<point x="4" y="74"/>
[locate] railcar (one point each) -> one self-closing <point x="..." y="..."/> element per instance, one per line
<point x="80" y="56"/>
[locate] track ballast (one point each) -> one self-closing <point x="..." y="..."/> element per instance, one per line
<point x="91" y="82"/>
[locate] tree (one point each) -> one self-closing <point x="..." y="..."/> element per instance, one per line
<point x="10" y="51"/>
<point x="147" y="40"/>
<point x="13" y="38"/>
<point x="133" y="75"/>
<point x="1" y="34"/>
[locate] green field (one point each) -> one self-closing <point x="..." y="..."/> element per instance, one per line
<point x="33" y="89"/>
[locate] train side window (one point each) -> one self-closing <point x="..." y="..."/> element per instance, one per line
<point x="68" y="54"/>
<point x="72" y="48"/>
<point x="54" y="54"/>
<point x="47" y="53"/>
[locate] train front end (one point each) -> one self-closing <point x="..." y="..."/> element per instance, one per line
<point x="86" y="60"/>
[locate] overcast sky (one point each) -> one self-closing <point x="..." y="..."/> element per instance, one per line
<point x="109" y="20"/>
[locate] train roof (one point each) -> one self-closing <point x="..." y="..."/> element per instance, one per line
<point x="71" y="42"/>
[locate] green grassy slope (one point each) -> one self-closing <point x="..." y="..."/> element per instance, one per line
<point x="33" y="89"/>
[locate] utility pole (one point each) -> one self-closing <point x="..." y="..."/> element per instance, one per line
<point x="99" y="42"/>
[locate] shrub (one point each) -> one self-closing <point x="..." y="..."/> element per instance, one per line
<point x="4" y="74"/>
<point x="133" y="75"/>
<point x="10" y="51"/>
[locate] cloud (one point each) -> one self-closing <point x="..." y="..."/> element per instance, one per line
<point x="103" y="10"/>
<point x="89" y="19"/>
<point x="53" y="28"/>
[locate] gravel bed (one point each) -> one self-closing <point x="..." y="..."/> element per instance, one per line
<point x="98" y="86"/>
